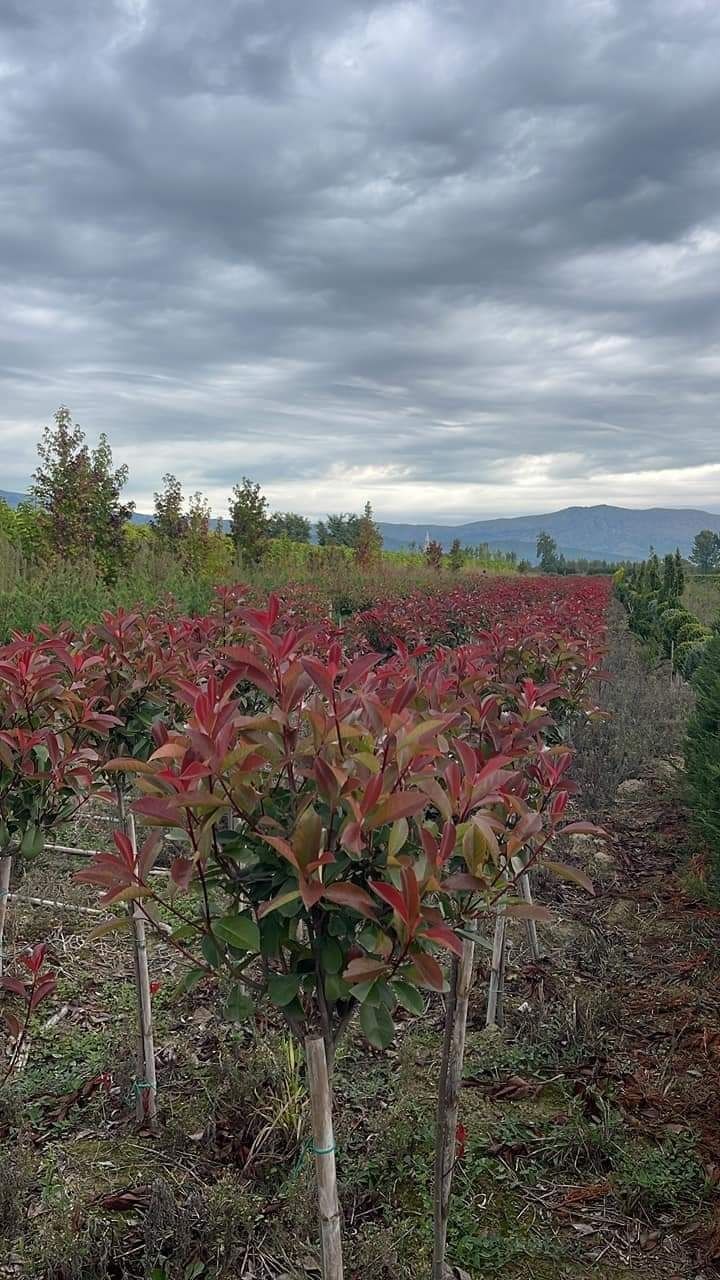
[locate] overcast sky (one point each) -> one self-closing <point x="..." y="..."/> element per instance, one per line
<point x="458" y="257"/>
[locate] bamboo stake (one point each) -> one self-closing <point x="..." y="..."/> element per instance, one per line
<point x="5" y="869"/>
<point x="497" y="968"/>
<point x="324" y="1150"/>
<point x="139" y="1042"/>
<point x="59" y="906"/>
<point x="146" y="1086"/>
<point x="449" y="1099"/>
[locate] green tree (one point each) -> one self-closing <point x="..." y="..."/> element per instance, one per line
<point x="79" y="494"/>
<point x="547" y="553"/>
<point x="434" y="554"/>
<point x="369" y="542"/>
<point x="456" y="559"/>
<point x="705" y="554"/>
<point x="169" y="521"/>
<point x="679" y="574"/>
<point x="249" y="520"/>
<point x="198" y="537"/>
<point x="652" y="572"/>
<point x="288" y="524"/>
<point x="339" y="531"/>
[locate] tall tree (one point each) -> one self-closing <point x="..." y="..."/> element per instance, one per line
<point x="433" y="554"/>
<point x="369" y="541"/>
<point x="339" y="530"/>
<point x="169" y="521"/>
<point x="705" y="554"/>
<point x="79" y="494"/>
<point x="249" y="520"/>
<point x="456" y="558"/>
<point x="679" y="573"/>
<point x="198" y="536"/>
<point x="288" y="524"/>
<point x="547" y="553"/>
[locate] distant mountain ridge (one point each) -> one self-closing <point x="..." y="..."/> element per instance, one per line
<point x="601" y="532"/>
<point x="595" y="533"/>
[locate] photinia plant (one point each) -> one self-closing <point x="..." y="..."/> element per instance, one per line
<point x="348" y="817"/>
<point x="27" y="993"/>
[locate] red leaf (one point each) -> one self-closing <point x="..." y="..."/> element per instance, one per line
<point x="351" y="895"/>
<point x="429" y="972"/>
<point x="443" y="935"/>
<point x="392" y="897"/>
<point x="403" y="804"/>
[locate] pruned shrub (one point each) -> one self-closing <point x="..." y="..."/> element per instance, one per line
<point x="702" y="751"/>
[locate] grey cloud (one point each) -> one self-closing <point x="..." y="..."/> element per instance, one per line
<point x="302" y="241"/>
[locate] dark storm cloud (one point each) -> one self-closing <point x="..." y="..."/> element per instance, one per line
<point x="457" y="257"/>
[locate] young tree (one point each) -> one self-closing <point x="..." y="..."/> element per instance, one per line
<point x="79" y="494"/>
<point x="248" y="520"/>
<point x="290" y="525"/>
<point x="169" y="521"/>
<point x="705" y="554"/>
<point x="109" y="515"/>
<point x="433" y="554"/>
<point x="198" y="538"/>
<point x="679" y="574"/>
<point x="456" y="558"/>
<point x="369" y="543"/>
<point x="547" y="553"/>
<point x="339" y="531"/>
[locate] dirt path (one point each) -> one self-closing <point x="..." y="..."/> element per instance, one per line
<point x="620" y="1132"/>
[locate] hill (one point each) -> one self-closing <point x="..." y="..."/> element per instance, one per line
<point x="601" y="532"/>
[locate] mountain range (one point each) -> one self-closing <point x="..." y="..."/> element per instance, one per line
<point x="601" y="532"/>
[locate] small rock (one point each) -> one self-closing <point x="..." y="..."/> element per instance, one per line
<point x="666" y="770"/>
<point x="632" y="789"/>
<point x="621" y="911"/>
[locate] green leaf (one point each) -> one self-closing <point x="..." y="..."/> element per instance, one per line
<point x="190" y="980"/>
<point x="409" y="997"/>
<point x="385" y="994"/>
<point x="337" y="925"/>
<point x="272" y="933"/>
<point x="116" y="925"/>
<point x="365" y="993"/>
<point x="398" y="836"/>
<point x="336" y="988"/>
<point x="239" y="1007"/>
<point x="331" y="956"/>
<point x="377" y="1025"/>
<point x="211" y="951"/>
<point x="240" y="932"/>
<point x="283" y="988"/>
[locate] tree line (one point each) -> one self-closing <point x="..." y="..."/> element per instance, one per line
<point x="77" y="511"/>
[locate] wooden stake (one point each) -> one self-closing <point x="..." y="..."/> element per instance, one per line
<point x="324" y="1150"/>
<point x="139" y="1042"/>
<point x="146" y="1086"/>
<point x="497" y="970"/>
<point x="5" y="870"/>
<point x="449" y="1099"/>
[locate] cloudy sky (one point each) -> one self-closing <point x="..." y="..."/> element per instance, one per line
<point x="458" y="257"/>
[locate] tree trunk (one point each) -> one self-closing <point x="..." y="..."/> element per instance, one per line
<point x="5" y="869"/>
<point x="324" y="1151"/>
<point x="449" y="1099"/>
